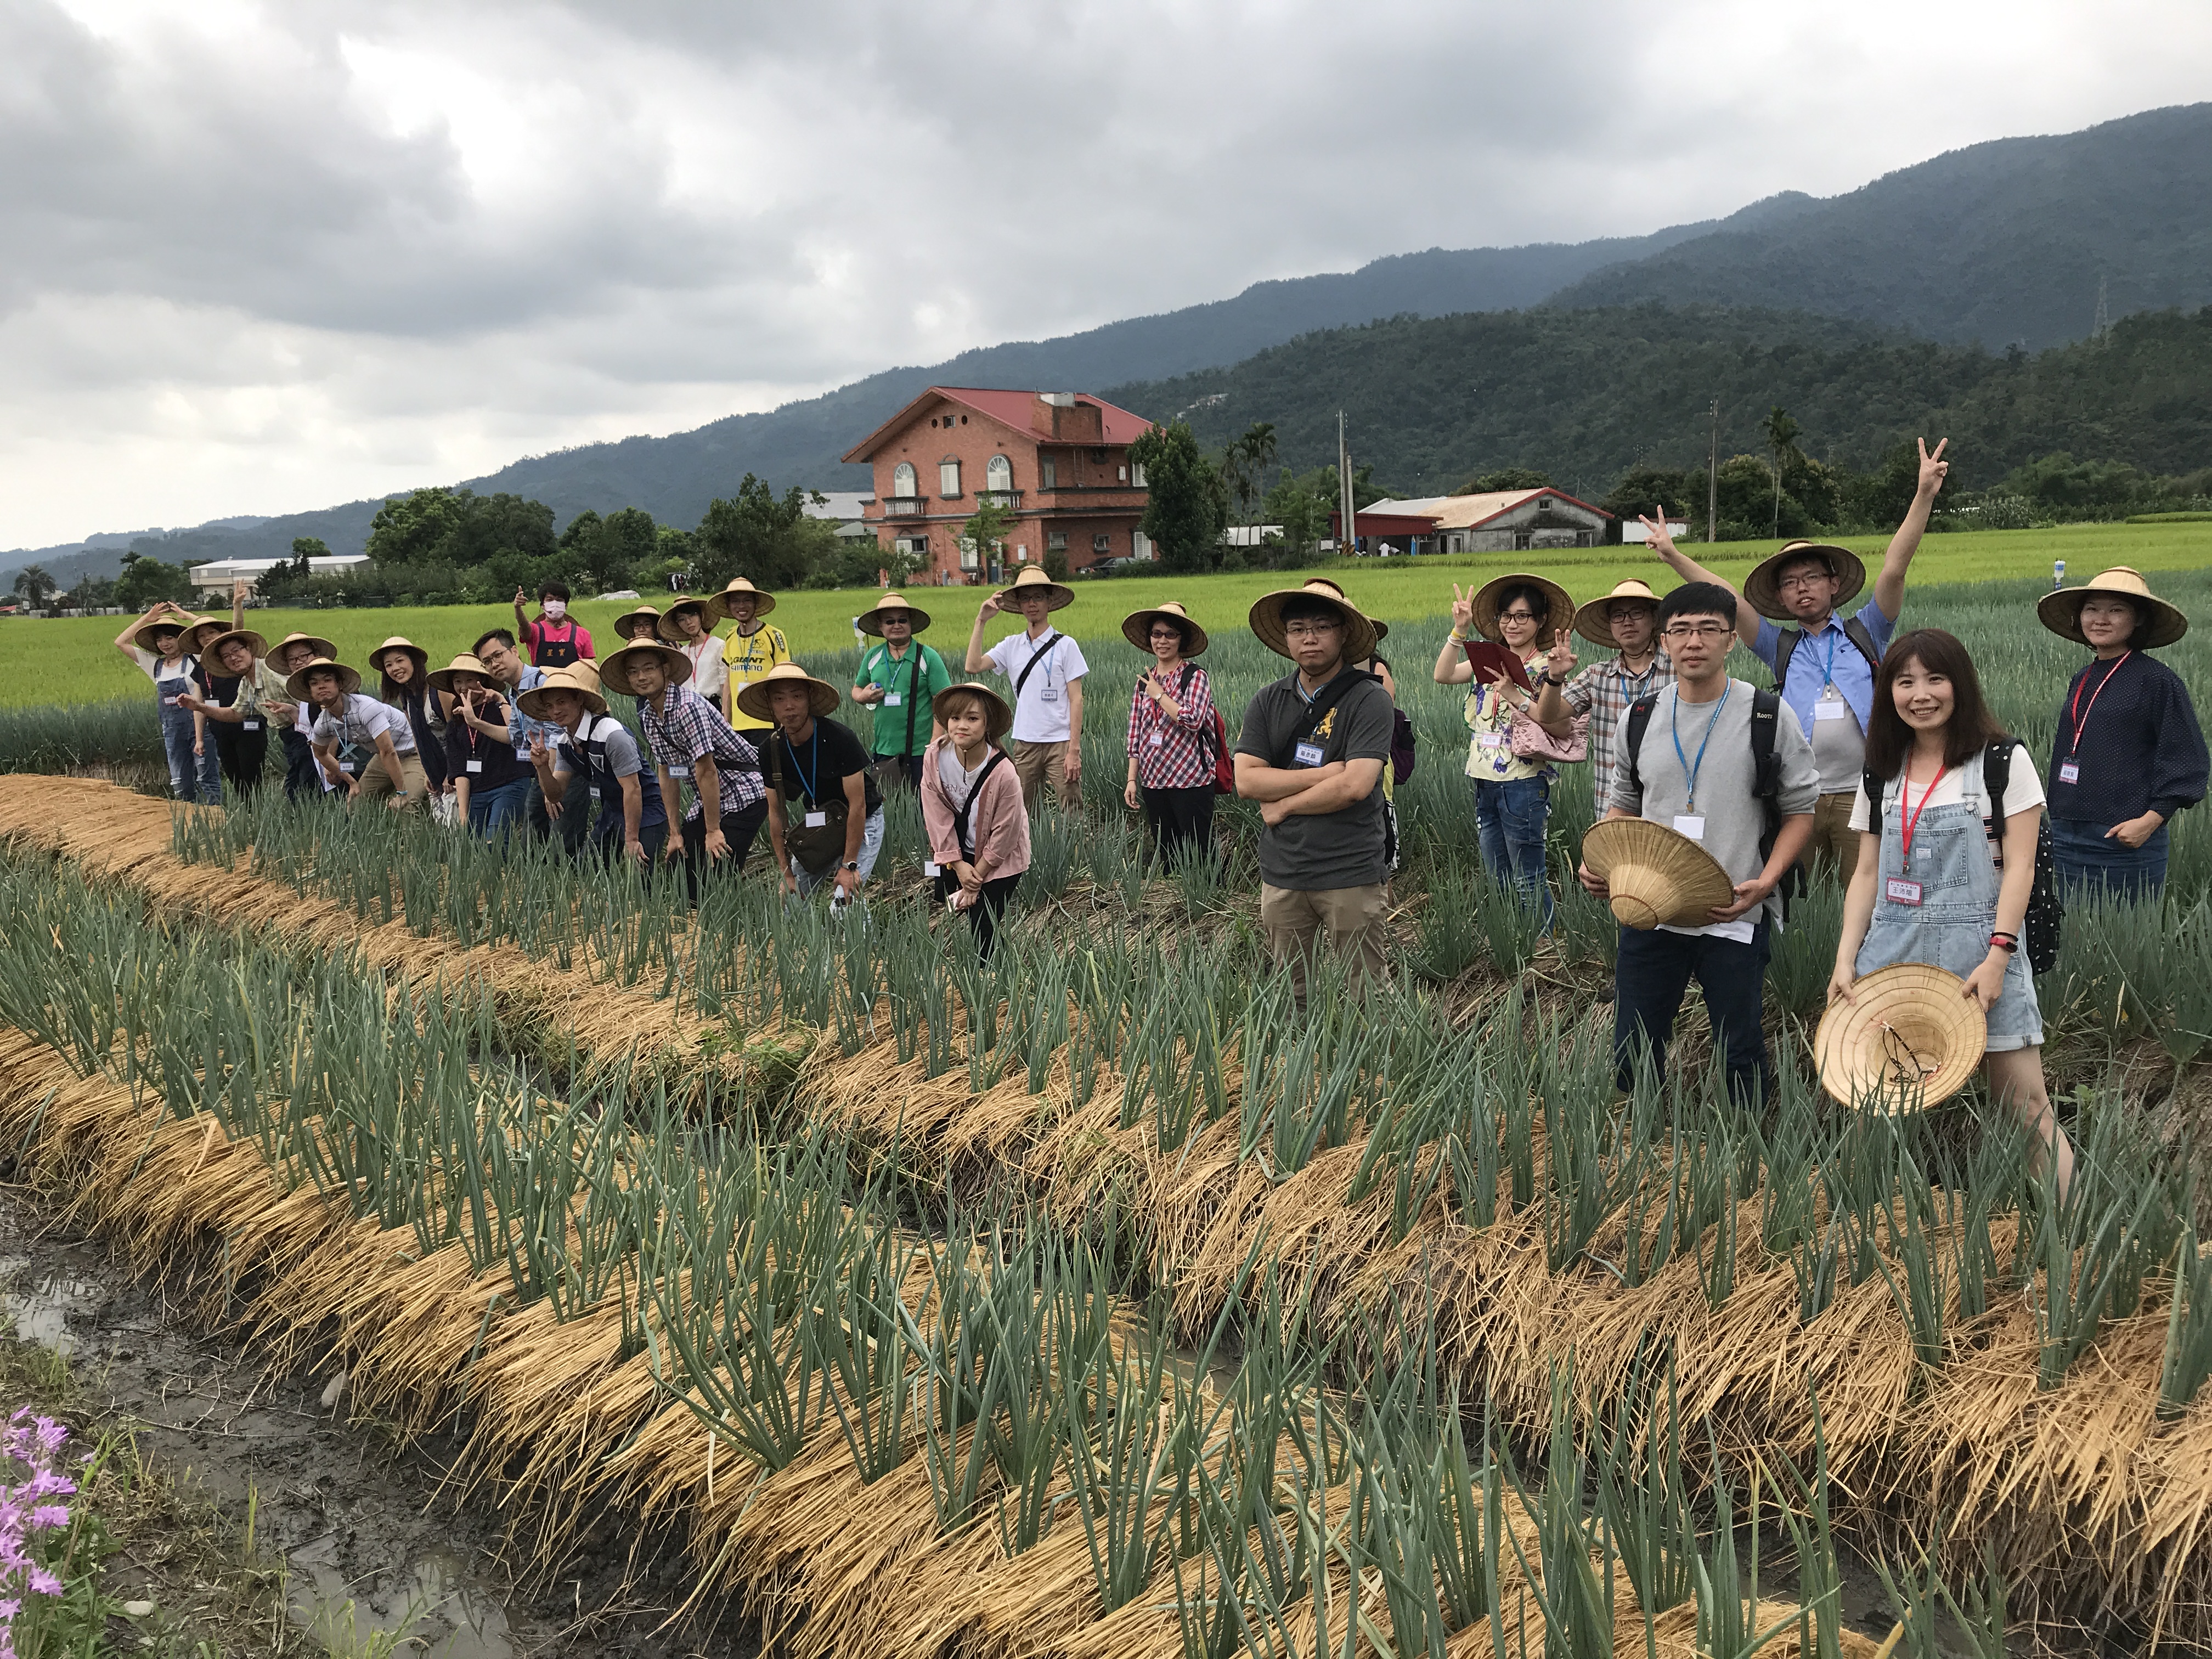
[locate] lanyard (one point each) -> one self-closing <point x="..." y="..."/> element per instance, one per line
<point x="2079" y="716"/>
<point x="1911" y="818"/>
<point x="758" y="636"/>
<point x="814" y="748"/>
<point x="1828" y="665"/>
<point x="1642" y="683"/>
<point x="1689" y="770"/>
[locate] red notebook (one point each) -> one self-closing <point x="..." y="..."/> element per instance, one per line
<point x="1495" y="662"/>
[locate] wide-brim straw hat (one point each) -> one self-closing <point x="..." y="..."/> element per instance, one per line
<point x="348" y="678"/>
<point x="1029" y="579"/>
<point x="998" y="714"/>
<point x="199" y="633"/>
<point x="143" y="637"/>
<point x="1910" y="1037"/>
<point x="1763" y="587"/>
<point x="821" y="697"/>
<point x="703" y="603"/>
<point x="1655" y="874"/>
<point x="2060" y="611"/>
<point x="1382" y="628"/>
<point x="1266" y="619"/>
<point x="464" y="663"/>
<point x="739" y="587"/>
<point x="1489" y="599"/>
<point x="615" y="666"/>
<point x="400" y="642"/>
<point x="562" y="679"/>
<point x="872" y="621"/>
<point x="1594" y="623"/>
<point x="1137" y="628"/>
<point x="638" y="619"/>
<point x="254" y="643"/>
<point x="314" y="642"/>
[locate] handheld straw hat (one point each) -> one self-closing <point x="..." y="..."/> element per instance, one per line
<point x="1137" y="627"/>
<point x="1594" y="621"/>
<point x="718" y="608"/>
<point x="172" y="624"/>
<point x="254" y="643"/>
<point x="1489" y="599"/>
<point x="1266" y="619"/>
<point x="463" y="663"/>
<point x="998" y="716"/>
<point x="638" y="619"/>
<point x="533" y="701"/>
<point x="1031" y="578"/>
<point x="1763" y="588"/>
<point x="348" y="679"/>
<point x="1655" y="874"/>
<point x="615" y="666"/>
<point x="400" y="642"/>
<point x="872" y="621"/>
<point x="317" y="645"/>
<point x="821" y="696"/>
<point x="2162" y="623"/>
<point x="1910" y="1037"/>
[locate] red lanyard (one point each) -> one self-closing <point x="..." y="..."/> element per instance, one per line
<point x="2079" y="716"/>
<point x="1910" y="813"/>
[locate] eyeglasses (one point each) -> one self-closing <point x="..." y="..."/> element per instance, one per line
<point x="1311" y="631"/>
<point x="1696" y="631"/>
<point x="1804" y="579"/>
<point x="1517" y="615"/>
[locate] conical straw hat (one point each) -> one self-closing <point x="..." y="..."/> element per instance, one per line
<point x="1594" y="621"/>
<point x="1909" y="1039"/>
<point x="2163" y="623"/>
<point x="1656" y="875"/>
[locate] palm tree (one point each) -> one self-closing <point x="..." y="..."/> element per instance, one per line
<point x="1782" y="438"/>
<point x="1246" y="461"/>
<point x="35" y="585"/>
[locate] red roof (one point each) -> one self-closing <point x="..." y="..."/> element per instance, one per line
<point x="1009" y="409"/>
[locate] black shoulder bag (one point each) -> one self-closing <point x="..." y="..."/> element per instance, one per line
<point x="960" y="837"/>
<point x="1050" y="644"/>
<point x="820" y="847"/>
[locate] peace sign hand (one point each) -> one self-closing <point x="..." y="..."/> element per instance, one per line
<point x="1560" y="661"/>
<point x="1657" y="534"/>
<point x="1463" y="610"/>
<point x="1934" y="469"/>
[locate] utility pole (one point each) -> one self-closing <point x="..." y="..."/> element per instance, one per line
<point x="1345" y="540"/>
<point x="1713" y="479"/>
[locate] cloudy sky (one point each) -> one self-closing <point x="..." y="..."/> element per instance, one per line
<point x="266" y="257"/>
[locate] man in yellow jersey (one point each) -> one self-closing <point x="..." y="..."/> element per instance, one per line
<point x="750" y="652"/>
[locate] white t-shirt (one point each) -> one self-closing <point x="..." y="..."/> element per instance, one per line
<point x="151" y="666"/>
<point x="709" y="671"/>
<point x="2023" y="790"/>
<point x="1041" y="708"/>
<point x="365" y="720"/>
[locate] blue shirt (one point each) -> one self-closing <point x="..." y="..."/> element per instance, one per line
<point x="1827" y="654"/>
<point x="520" y="725"/>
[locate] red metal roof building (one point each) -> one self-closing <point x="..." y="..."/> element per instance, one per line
<point x="1502" y="521"/>
<point x="1057" y="461"/>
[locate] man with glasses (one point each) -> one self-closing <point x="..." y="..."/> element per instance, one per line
<point x="1692" y="758"/>
<point x="1824" y="666"/>
<point x="495" y="650"/>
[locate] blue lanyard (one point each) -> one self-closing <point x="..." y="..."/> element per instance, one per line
<point x="1643" y="681"/>
<point x="1690" y="770"/>
<point x="1828" y="664"/>
<point x="814" y="748"/>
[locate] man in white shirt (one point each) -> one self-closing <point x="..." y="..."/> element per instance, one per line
<point x="366" y="748"/>
<point x="1047" y="669"/>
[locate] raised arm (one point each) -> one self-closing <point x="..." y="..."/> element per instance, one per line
<point x="977" y="656"/>
<point x="1889" y="586"/>
<point x="122" y="640"/>
<point x="1746" y="619"/>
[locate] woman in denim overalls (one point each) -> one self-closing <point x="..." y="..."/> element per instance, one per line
<point x="155" y="646"/>
<point x="1946" y="902"/>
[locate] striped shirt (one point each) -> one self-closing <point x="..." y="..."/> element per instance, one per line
<point x="688" y="727"/>
<point x="1173" y="751"/>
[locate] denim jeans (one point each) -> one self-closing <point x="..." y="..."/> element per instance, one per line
<point x="2083" y="860"/>
<point x="495" y="812"/>
<point x="191" y="777"/>
<point x="303" y="779"/>
<point x="1650" y="979"/>
<point x="1511" y="819"/>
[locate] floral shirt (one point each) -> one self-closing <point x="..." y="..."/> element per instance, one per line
<point x="1490" y="757"/>
<point x="1173" y="752"/>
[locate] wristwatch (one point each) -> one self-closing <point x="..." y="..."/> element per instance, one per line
<point x="851" y="864"/>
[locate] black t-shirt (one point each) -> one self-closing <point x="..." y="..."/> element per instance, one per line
<point x="816" y="770"/>
<point x="464" y="743"/>
<point x="1343" y="848"/>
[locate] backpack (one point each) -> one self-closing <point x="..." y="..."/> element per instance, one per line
<point x="1401" y="746"/>
<point x="1791" y="638"/>
<point x="1766" y="775"/>
<point x="2040" y="928"/>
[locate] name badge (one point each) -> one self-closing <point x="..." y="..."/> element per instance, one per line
<point x="1691" y="825"/>
<point x="1050" y="693"/>
<point x="476" y="766"/>
<point x="1491" y="740"/>
<point x="345" y="766"/>
<point x="1308" y="754"/>
<point x="522" y="752"/>
<point x="2069" y="772"/>
<point x="1831" y="708"/>
<point x="595" y="794"/>
<point x="933" y="871"/>
<point x="680" y="771"/>
<point x="893" y="699"/>
<point x="1158" y="740"/>
<point x="251" y="725"/>
<point x="816" y="820"/>
<point x="1901" y="891"/>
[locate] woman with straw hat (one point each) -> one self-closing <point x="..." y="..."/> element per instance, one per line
<point x="753" y="647"/>
<point x="303" y="778"/>
<point x="640" y="622"/>
<point x="1529" y="616"/>
<point x="821" y="763"/>
<point x="154" y="645"/>
<point x="1933" y="883"/>
<point x="491" y="781"/>
<point x="366" y="748"/>
<point x="1173" y="748"/>
<point x="688" y="626"/>
<point x="1047" y="669"/>
<point x="589" y="743"/>
<point x="972" y="810"/>
<point x="234" y="690"/>
<point x="691" y="742"/>
<point x="1626" y="623"/>
<point x="898" y="679"/>
<point x="403" y="667"/>
<point x="2129" y="753"/>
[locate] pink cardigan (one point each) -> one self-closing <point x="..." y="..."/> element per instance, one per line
<point x="998" y="822"/>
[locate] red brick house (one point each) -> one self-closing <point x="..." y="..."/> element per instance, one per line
<point x="1057" y="461"/>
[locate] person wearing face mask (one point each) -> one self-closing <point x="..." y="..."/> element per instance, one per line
<point x="555" y="639"/>
<point x="2129" y="753"/>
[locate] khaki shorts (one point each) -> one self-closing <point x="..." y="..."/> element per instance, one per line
<point x="1297" y="919"/>
<point x="376" y="785"/>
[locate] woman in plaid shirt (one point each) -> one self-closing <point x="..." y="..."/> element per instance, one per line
<point x="1172" y="742"/>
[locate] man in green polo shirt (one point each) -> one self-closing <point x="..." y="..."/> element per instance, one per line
<point x="899" y="681"/>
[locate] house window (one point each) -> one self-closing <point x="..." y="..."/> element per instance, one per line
<point x="1141" y="545"/>
<point x="968" y="554"/>
<point x="1048" y="472"/>
<point x="903" y="482"/>
<point x="948" y="477"/>
<point x="1056" y="541"/>
<point x="1137" y="474"/>
<point x="998" y="473"/>
<point x="1122" y="473"/>
<point x="1102" y="545"/>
